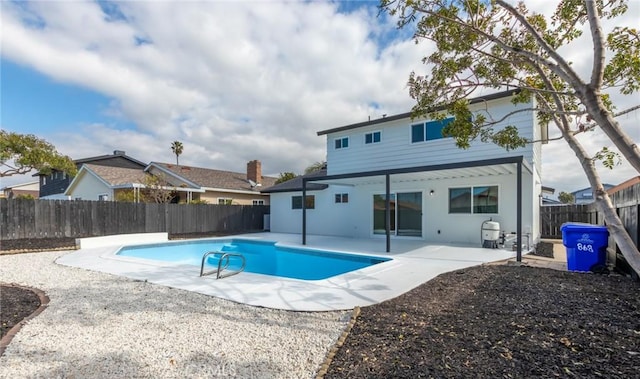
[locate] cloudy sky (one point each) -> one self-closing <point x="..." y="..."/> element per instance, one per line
<point x="232" y="80"/>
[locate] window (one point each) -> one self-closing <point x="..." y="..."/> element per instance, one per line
<point x="429" y="131"/>
<point x="373" y="137"/>
<point x="225" y="201"/>
<point x="103" y="197"/>
<point x="460" y="200"/>
<point x="342" y="143"/>
<point x="44" y="180"/>
<point x="296" y="202"/>
<point x="258" y="202"/>
<point x="477" y="200"/>
<point x="342" y="198"/>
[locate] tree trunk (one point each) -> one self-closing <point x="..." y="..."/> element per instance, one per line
<point x="603" y="202"/>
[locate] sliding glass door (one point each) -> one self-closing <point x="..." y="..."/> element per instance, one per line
<point x="409" y="214"/>
<point x="406" y="214"/>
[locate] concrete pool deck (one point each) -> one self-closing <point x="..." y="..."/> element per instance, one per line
<point x="414" y="262"/>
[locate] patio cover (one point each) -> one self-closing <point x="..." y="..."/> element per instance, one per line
<point x="487" y="167"/>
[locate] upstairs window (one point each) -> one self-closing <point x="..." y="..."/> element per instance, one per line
<point x="258" y="202"/>
<point x="342" y="198"/>
<point x="342" y="143"/>
<point x="428" y="131"/>
<point x="373" y="137"/>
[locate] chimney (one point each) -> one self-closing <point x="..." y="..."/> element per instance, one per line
<point x="254" y="171"/>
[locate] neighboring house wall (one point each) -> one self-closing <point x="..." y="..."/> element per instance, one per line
<point x="90" y="188"/>
<point x="26" y="189"/>
<point x="395" y="150"/>
<point x="211" y="197"/>
<point x="585" y="195"/>
<point x="54" y="183"/>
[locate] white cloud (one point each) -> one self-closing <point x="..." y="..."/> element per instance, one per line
<point x="234" y="81"/>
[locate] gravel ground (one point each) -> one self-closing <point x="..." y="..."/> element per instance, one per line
<point x="103" y="326"/>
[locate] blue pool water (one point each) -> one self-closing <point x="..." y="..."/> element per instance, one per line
<point x="261" y="257"/>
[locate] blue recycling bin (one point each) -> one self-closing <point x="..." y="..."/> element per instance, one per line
<point x="586" y="245"/>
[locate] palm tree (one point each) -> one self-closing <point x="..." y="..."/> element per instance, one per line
<point x="176" y="147"/>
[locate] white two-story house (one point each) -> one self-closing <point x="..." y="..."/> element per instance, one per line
<point x="405" y="171"/>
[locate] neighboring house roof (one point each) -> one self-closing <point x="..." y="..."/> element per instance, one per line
<point x="114" y="177"/>
<point x="623" y="185"/>
<point x="117" y="176"/>
<point x="606" y="187"/>
<point x="118" y="159"/>
<point x="116" y="153"/>
<point x="546" y="201"/>
<point x="29" y="186"/>
<point x="212" y="179"/>
<point x="295" y="184"/>
<point x="401" y="116"/>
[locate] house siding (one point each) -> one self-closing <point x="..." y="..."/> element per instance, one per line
<point x="356" y="217"/>
<point x="56" y="183"/>
<point x="238" y="198"/>
<point x="89" y="188"/>
<point x="327" y="218"/>
<point x="537" y="146"/>
<point x="396" y="150"/>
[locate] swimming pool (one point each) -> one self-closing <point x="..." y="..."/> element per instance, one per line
<point x="262" y="257"/>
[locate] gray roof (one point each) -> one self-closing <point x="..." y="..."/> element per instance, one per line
<point x="295" y="184"/>
<point x="116" y="176"/>
<point x="209" y="178"/>
<point x="106" y="159"/>
<point x="493" y="96"/>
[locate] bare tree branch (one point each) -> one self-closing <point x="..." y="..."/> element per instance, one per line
<point x="597" y="72"/>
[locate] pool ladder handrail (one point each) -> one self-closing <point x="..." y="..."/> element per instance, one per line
<point x="224" y="257"/>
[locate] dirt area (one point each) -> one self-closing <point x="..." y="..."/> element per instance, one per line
<point x="15" y="304"/>
<point x="499" y="322"/>
<point x="26" y="245"/>
<point x="544" y="249"/>
<point x="36" y="244"/>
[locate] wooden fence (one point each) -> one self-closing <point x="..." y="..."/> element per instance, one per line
<point x="552" y="217"/>
<point x="627" y="204"/>
<point x="21" y="218"/>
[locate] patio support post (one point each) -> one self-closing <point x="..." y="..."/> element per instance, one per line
<point x="304" y="211"/>
<point x="387" y="211"/>
<point x="519" y="211"/>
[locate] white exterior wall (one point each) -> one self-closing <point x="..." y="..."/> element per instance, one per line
<point x="355" y="219"/>
<point x="397" y="151"/>
<point x="327" y="218"/>
<point x="89" y="188"/>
